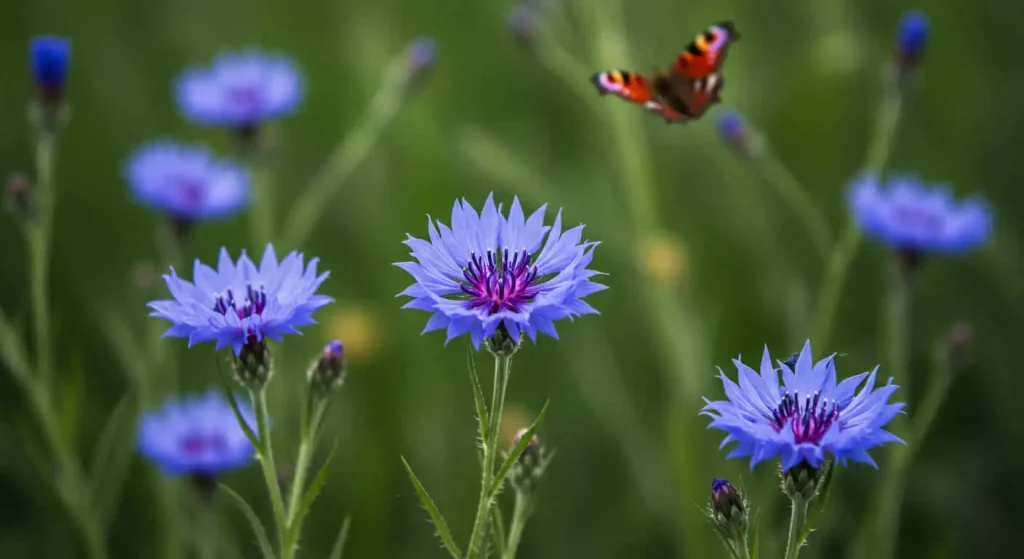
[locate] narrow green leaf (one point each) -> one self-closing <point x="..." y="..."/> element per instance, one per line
<point x="339" y="543"/>
<point x="249" y="434"/>
<point x="71" y="395"/>
<point x="757" y="536"/>
<point x="311" y="494"/>
<point x="111" y="457"/>
<point x="517" y="452"/>
<point x="12" y="351"/>
<point x="819" y="503"/>
<point x="498" y="529"/>
<point x="261" y="533"/>
<point x="478" y="398"/>
<point x="435" y="515"/>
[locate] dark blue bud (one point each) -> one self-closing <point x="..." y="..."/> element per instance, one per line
<point x="50" y="56"/>
<point x="733" y="128"/>
<point x="731" y="125"/>
<point x="912" y="37"/>
<point x="328" y="372"/>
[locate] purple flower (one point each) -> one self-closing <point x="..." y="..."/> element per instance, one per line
<point x="910" y="216"/>
<point x="186" y="182"/>
<point x="912" y="36"/>
<point x="199" y="435"/>
<point x="805" y="417"/>
<point x="242" y="90"/>
<point x="50" y="57"/>
<point x="488" y="271"/>
<point x="239" y="304"/>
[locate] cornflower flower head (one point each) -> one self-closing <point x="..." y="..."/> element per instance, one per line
<point x="197" y="435"/>
<point x="919" y="219"/>
<point x="241" y="90"/>
<point x="50" y="57"/>
<point x="489" y="271"/>
<point x="187" y="183"/>
<point x="806" y="416"/>
<point x="911" y="39"/>
<point x="240" y="304"/>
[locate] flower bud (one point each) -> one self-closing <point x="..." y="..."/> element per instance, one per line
<point x="527" y="471"/>
<point x="803" y="481"/>
<point x="253" y="364"/>
<point x="49" y="57"/>
<point x="501" y="343"/>
<point x="522" y="23"/>
<point x="911" y="40"/>
<point x="739" y="135"/>
<point x="420" y="57"/>
<point x="328" y="373"/>
<point x="19" y="197"/>
<point x="729" y="512"/>
<point x="959" y="346"/>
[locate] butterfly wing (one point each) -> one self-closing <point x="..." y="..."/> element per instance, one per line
<point x="689" y="100"/>
<point x="630" y="86"/>
<point x="706" y="53"/>
<point x="705" y="92"/>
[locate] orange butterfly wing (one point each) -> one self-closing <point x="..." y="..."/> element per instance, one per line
<point x="706" y="53"/>
<point x="630" y="86"/>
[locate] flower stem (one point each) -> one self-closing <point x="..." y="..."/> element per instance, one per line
<point x="793" y="193"/>
<point x="40" y="233"/>
<point x="838" y="266"/>
<point x="502" y="369"/>
<point x="798" y="515"/>
<point x="310" y="423"/>
<point x="346" y="157"/>
<point x="266" y="456"/>
<point x="520" y="514"/>
<point x="206" y="532"/>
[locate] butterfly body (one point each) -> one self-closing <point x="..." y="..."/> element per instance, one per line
<point x="687" y="89"/>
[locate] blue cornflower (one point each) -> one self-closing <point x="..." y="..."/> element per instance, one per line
<point x="241" y="90"/>
<point x="198" y="435"/>
<point x="488" y="270"/>
<point x="186" y="182"/>
<point x="50" y="56"/>
<point x="912" y="36"/>
<point x="910" y="216"/>
<point x="239" y="304"/>
<point x="805" y="417"/>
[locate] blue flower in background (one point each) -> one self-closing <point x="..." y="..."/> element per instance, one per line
<point x="50" y="56"/>
<point x="186" y="182"/>
<point x="239" y="304"/>
<point x="910" y="216"/>
<point x="912" y="35"/>
<point x="488" y="270"/>
<point x="804" y="418"/>
<point x="241" y="89"/>
<point x="198" y="435"/>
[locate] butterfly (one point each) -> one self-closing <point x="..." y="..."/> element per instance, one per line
<point x="688" y="88"/>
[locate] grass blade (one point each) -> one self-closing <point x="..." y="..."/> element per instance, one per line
<point x="311" y="494"/>
<point x="339" y="544"/>
<point x="261" y="533"/>
<point x="517" y="451"/>
<point x="435" y="515"/>
<point x="110" y="459"/>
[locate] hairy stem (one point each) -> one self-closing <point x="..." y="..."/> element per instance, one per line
<point x="520" y="514"/>
<point x="266" y="457"/>
<point x="798" y="515"/>
<point x="502" y="368"/>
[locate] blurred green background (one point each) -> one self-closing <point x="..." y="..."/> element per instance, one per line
<point x="705" y="260"/>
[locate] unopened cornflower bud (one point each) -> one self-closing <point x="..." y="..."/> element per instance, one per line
<point x="527" y="471"/>
<point x="522" y="22"/>
<point x="49" y="57"/>
<point x="253" y="364"/>
<point x="420" y="57"/>
<point x="911" y="41"/>
<point x="739" y="135"/>
<point x="959" y="345"/>
<point x="19" y="197"/>
<point x="729" y="513"/>
<point x="328" y="373"/>
<point x="803" y="481"/>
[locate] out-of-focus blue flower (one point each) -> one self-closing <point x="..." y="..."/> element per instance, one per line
<point x="242" y="89"/>
<point x="910" y="216"/>
<point x="522" y="22"/>
<point x="186" y="182"/>
<point x="736" y="132"/>
<point x="239" y="304"/>
<point x="420" y="57"/>
<point x="488" y="270"/>
<point x="198" y="435"/>
<point x="804" y="418"/>
<point x="50" y="56"/>
<point x="912" y="36"/>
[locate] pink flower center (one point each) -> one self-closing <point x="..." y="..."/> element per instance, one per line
<point x="198" y="444"/>
<point x="809" y="420"/>
<point x="255" y="302"/>
<point x="498" y="282"/>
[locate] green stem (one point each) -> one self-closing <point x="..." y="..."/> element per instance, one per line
<point x="40" y="232"/>
<point x="310" y="428"/>
<point x="793" y="193"/>
<point x="266" y="457"/>
<point x="502" y="369"/>
<point x="345" y="158"/>
<point x="206" y="532"/>
<point x="798" y="515"/>
<point x="520" y="514"/>
<point x="838" y="265"/>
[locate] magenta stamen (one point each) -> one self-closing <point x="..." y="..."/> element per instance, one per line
<point x="503" y="281"/>
<point x="809" y="420"/>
